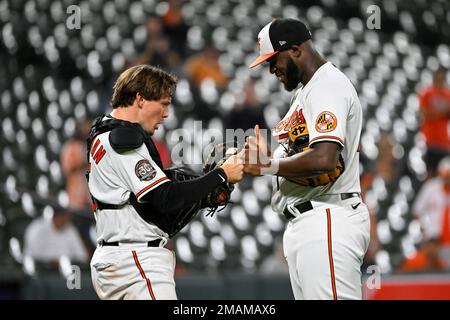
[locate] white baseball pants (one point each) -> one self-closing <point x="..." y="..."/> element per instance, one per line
<point x="133" y="272"/>
<point x="325" y="247"/>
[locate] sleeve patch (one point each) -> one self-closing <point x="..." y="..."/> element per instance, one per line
<point x="144" y="170"/>
<point x="326" y="122"/>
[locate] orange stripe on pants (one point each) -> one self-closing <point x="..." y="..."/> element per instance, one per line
<point x="149" y="286"/>
<point x="330" y="255"/>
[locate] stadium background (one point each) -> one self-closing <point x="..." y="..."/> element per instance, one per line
<point x="52" y="78"/>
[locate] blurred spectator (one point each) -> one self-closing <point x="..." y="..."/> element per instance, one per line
<point x="427" y="258"/>
<point x="275" y="264"/>
<point x="385" y="165"/>
<point x="247" y="112"/>
<point x="158" y="49"/>
<point x="205" y="65"/>
<point x="435" y="112"/>
<point x="74" y="166"/>
<point x="385" y="168"/>
<point x="46" y="240"/>
<point x="175" y="27"/>
<point x="157" y="52"/>
<point x="432" y="205"/>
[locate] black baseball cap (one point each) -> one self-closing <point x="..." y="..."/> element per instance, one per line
<point x="279" y="35"/>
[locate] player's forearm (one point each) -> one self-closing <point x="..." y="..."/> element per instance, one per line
<point x="173" y="196"/>
<point x="309" y="163"/>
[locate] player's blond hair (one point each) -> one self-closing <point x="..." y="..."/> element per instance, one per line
<point x="150" y="82"/>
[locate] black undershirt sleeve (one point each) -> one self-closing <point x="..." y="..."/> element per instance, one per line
<point x="174" y="196"/>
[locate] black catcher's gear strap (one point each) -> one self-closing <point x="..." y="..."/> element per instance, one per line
<point x="173" y="204"/>
<point x="124" y="136"/>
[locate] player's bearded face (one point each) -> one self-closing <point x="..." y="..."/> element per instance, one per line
<point x="292" y="75"/>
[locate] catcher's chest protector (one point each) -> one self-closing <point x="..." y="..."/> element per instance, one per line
<point x="131" y="136"/>
<point x="126" y="136"/>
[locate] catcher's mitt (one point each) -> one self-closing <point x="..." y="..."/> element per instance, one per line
<point x="220" y="196"/>
<point x="299" y="142"/>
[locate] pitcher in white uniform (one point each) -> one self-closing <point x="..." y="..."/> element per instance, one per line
<point x="316" y="167"/>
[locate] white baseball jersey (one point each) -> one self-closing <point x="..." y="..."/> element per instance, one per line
<point x="112" y="178"/>
<point x="329" y="109"/>
<point x="131" y="270"/>
<point x="324" y="246"/>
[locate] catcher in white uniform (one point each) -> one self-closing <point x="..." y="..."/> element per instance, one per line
<point x="316" y="167"/>
<point x="138" y="206"/>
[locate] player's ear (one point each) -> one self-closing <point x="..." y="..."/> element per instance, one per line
<point x="139" y="100"/>
<point x="295" y="51"/>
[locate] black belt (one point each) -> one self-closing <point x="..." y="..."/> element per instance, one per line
<point x="306" y="206"/>
<point x="105" y="206"/>
<point x="345" y="196"/>
<point x="153" y="243"/>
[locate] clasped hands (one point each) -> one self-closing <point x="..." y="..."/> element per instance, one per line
<point x="256" y="155"/>
<point x="254" y="159"/>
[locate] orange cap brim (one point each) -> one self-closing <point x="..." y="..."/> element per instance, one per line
<point x="261" y="59"/>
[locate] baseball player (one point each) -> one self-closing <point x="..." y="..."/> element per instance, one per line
<point x="316" y="167"/>
<point x="138" y="206"/>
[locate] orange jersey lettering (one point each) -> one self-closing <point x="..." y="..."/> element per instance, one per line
<point x="99" y="154"/>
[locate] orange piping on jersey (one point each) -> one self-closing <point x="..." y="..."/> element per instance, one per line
<point x="326" y="138"/>
<point x="283" y="136"/>
<point x="150" y="186"/>
<point x="141" y="271"/>
<point x="330" y="255"/>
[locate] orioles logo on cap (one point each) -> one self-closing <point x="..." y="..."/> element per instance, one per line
<point x="326" y="122"/>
